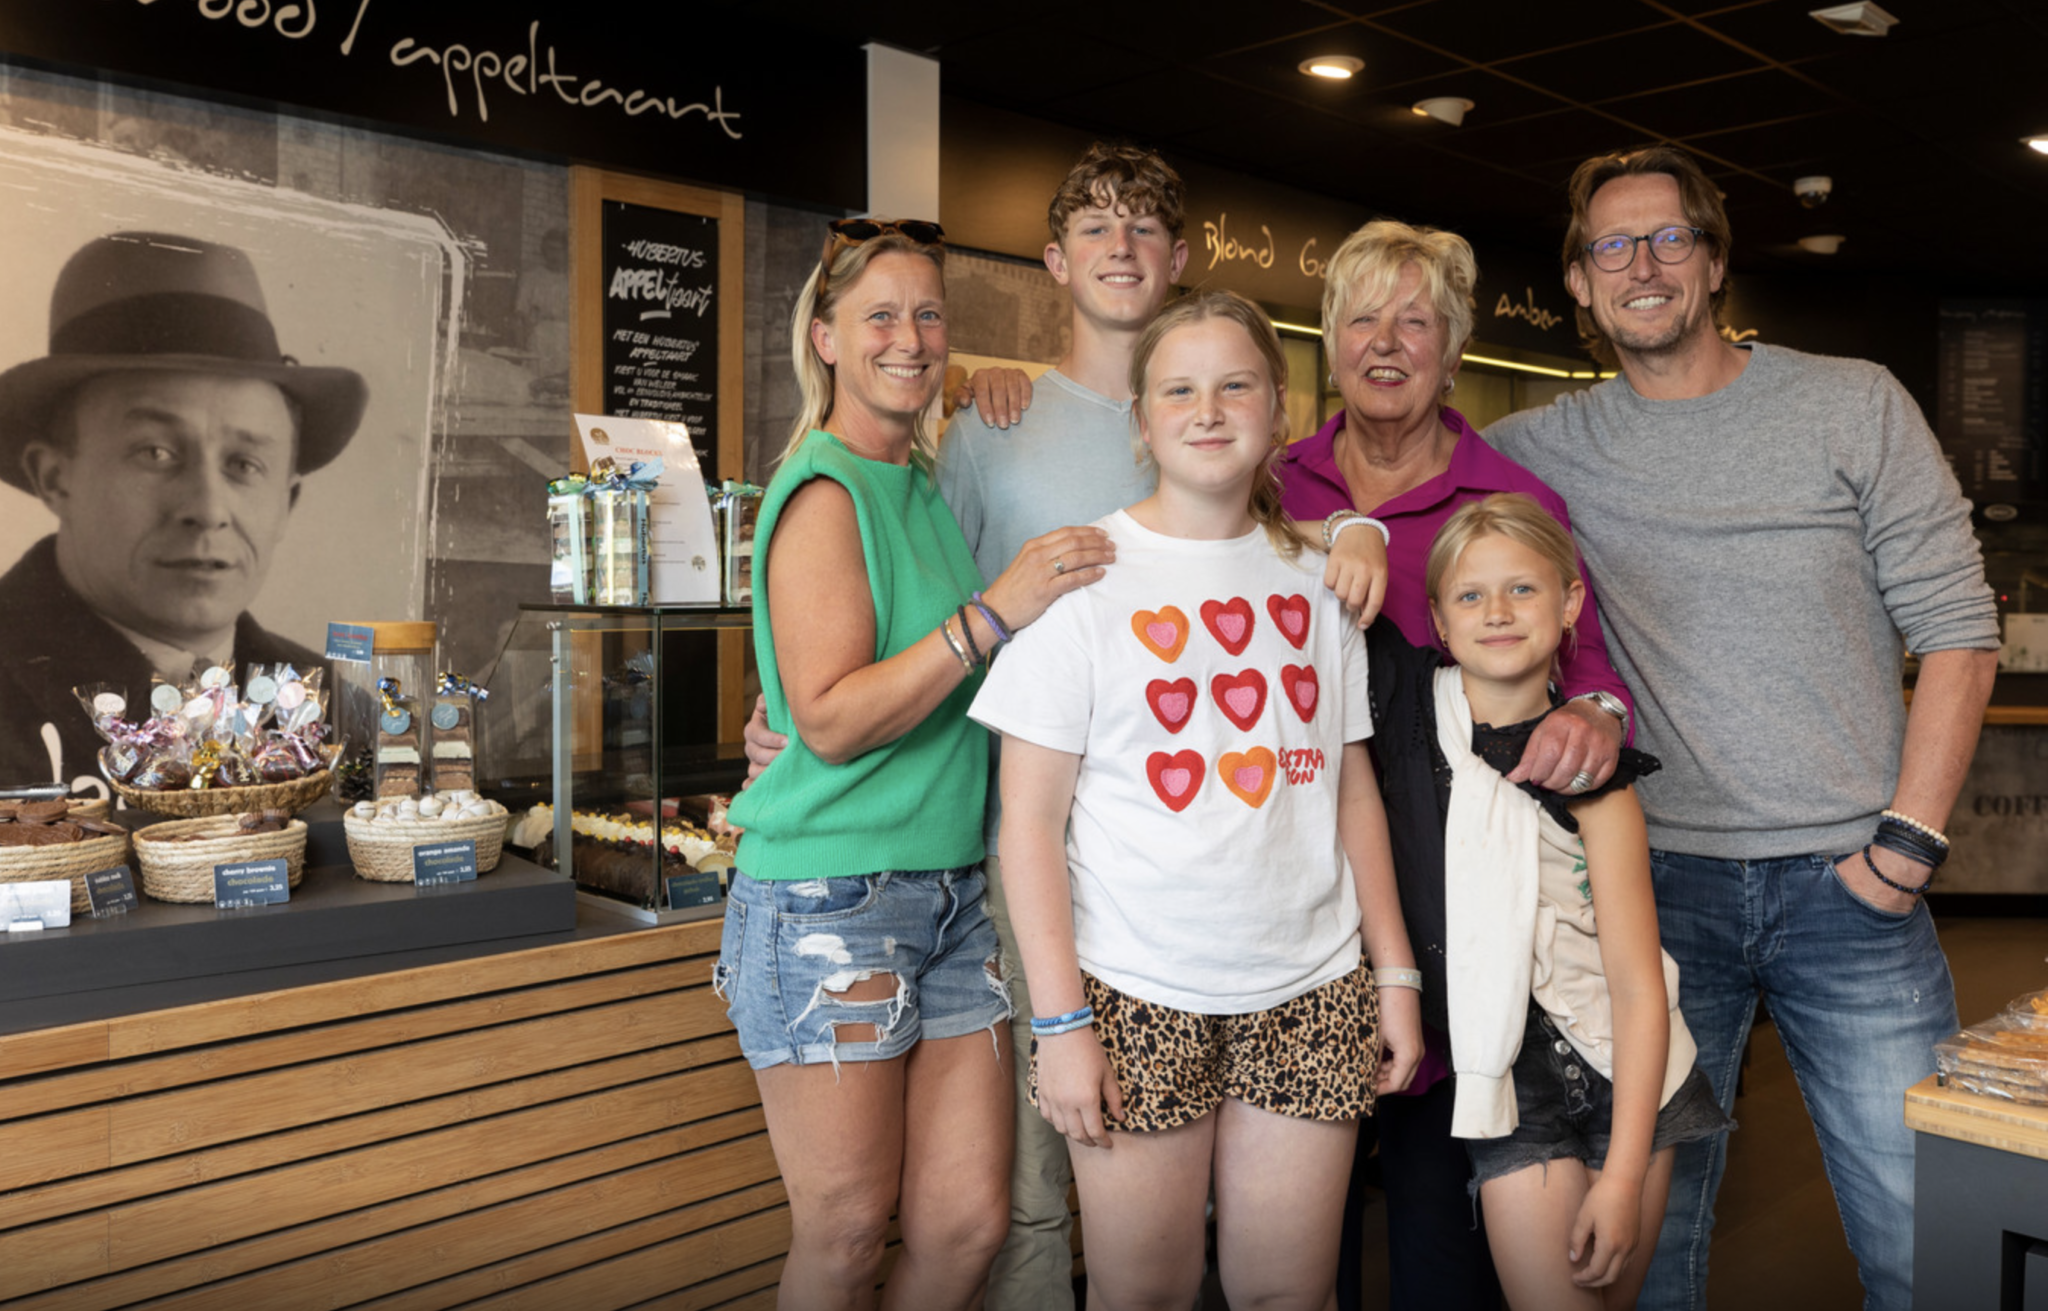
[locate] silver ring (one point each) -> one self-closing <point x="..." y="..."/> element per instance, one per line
<point x="1059" y="566"/>
<point x="1580" y="782"/>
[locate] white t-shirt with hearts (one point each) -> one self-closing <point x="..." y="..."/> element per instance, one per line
<point x="1209" y="688"/>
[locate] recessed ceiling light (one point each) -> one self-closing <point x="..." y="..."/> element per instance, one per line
<point x="1823" y="243"/>
<point x="2039" y="143"/>
<point x="1862" y="19"/>
<point x="1444" y="109"/>
<point x="1335" y="67"/>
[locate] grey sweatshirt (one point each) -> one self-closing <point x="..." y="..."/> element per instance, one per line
<point x="1765" y="556"/>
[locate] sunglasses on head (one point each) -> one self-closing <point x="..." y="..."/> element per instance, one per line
<point x="858" y="231"/>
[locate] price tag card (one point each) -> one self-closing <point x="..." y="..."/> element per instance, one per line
<point x="698" y="889"/>
<point x="350" y="642"/>
<point x="43" y="904"/>
<point x="111" y="891"/>
<point x="251" y="883"/>
<point x="444" y="862"/>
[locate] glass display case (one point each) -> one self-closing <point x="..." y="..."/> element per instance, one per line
<point x="613" y="716"/>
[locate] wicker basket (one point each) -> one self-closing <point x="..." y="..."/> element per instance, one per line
<point x="294" y="796"/>
<point x="66" y="860"/>
<point x="183" y="871"/>
<point x="382" y="849"/>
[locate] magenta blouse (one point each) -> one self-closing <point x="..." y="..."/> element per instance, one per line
<point x="1311" y="487"/>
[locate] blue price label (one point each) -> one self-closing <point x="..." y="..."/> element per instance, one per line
<point x="350" y="642"/>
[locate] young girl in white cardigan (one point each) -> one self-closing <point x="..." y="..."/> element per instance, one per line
<point x="1575" y="1074"/>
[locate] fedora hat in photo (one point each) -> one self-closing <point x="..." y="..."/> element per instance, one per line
<point x="152" y="300"/>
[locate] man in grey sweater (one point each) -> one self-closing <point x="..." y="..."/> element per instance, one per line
<point x="1771" y="532"/>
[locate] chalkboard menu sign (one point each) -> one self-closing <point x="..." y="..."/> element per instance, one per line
<point x="1994" y="398"/>
<point x="661" y="290"/>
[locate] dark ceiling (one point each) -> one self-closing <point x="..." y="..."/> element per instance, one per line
<point x="1920" y="129"/>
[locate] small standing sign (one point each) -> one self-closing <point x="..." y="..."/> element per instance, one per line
<point x="444" y="862"/>
<point x="251" y="883"/>
<point x="111" y="891"/>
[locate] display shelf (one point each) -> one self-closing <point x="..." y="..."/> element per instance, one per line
<point x="612" y="711"/>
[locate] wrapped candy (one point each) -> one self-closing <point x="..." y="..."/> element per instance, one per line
<point x="451" y="732"/>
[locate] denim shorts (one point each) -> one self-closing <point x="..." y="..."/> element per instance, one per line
<point x="1566" y="1109"/>
<point x="790" y="946"/>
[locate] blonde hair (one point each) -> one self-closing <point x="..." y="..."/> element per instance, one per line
<point x="813" y="375"/>
<point x="1365" y="269"/>
<point x="1200" y="307"/>
<point x="1515" y="516"/>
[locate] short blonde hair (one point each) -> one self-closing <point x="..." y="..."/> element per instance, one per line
<point x="1366" y="267"/>
<point x="1513" y="515"/>
<point x="1197" y="308"/>
<point x="813" y="375"/>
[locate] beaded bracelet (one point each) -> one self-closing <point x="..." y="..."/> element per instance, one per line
<point x="1058" y="1024"/>
<point x="1390" y="977"/>
<point x="1896" y="887"/>
<point x="995" y="621"/>
<point x="1339" y="520"/>
<point x="1925" y="830"/>
<point x="967" y="632"/>
<point x="959" y="651"/>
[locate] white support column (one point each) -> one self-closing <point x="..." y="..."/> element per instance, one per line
<point x="903" y="134"/>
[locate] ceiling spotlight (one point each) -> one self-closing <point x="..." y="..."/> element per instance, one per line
<point x="1862" y="19"/>
<point x="1813" y="192"/>
<point x="1444" y="109"/>
<point x="1334" y="67"/>
<point x="1823" y="244"/>
<point x="2039" y="143"/>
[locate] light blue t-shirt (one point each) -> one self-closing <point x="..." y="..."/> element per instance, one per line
<point x="1070" y="460"/>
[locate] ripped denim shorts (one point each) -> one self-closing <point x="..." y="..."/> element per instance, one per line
<point x="792" y="947"/>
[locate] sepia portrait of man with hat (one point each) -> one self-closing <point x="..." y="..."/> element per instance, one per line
<point x="167" y="432"/>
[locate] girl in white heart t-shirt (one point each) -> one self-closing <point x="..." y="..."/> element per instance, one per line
<point x="1196" y="857"/>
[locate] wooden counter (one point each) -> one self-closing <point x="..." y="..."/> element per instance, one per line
<point x="1980" y="1200"/>
<point x="565" y="1126"/>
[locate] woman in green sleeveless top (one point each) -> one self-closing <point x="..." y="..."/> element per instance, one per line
<point x="858" y="964"/>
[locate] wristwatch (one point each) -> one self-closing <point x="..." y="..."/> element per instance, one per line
<point x="1609" y="702"/>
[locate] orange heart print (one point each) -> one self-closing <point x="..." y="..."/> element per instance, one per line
<point x="1164" y="632"/>
<point x="1248" y="774"/>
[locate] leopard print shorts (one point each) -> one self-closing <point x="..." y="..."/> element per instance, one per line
<point x="1313" y="1058"/>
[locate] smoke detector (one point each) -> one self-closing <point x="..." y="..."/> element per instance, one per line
<point x="1860" y="19"/>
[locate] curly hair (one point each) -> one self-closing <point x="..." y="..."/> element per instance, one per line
<point x="1130" y="176"/>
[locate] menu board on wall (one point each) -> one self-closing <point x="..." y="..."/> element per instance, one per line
<point x="1994" y="398"/>
<point x="661" y="287"/>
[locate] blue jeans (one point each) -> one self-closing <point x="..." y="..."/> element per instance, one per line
<point x="790" y="947"/>
<point x="1859" y="996"/>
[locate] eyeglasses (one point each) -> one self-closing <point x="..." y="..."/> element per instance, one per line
<point x="1673" y="245"/>
<point x="859" y="231"/>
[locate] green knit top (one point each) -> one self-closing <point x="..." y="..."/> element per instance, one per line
<point x="911" y="804"/>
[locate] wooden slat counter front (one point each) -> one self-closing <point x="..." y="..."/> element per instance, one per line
<point x="1980" y="1200"/>
<point x="562" y="1126"/>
